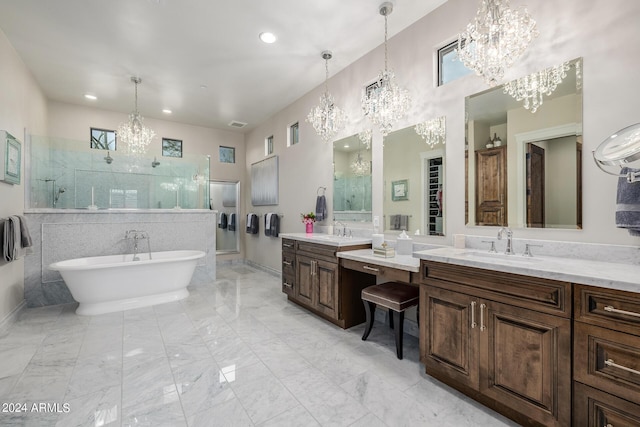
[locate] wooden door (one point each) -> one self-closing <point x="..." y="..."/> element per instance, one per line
<point x="535" y="186"/>
<point x="326" y="277"/>
<point x="491" y="186"/>
<point x="304" y="289"/>
<point x="525" y="360"/>
<point x="449" y="335"/>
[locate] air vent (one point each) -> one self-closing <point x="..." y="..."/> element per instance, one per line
<point x="236" y="124"/>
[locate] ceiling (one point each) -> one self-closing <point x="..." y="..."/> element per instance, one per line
<point x="201" y="59"/>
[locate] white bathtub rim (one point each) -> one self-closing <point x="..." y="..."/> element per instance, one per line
<point x="178" y="256"/>
<point x="96" y="308"/>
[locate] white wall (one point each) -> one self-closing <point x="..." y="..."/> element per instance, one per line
<point x="74" y="122"/>
<point x="22" y="106"/>
<point x="603" y="33"/>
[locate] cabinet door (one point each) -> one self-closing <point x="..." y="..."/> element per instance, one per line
<point x="326" y="278"/>
<point x="450" y="335"/>
<point x="525" y="359"/>
<point x="304" y="287"/>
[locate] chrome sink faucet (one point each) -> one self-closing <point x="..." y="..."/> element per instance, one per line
<point x="344" y="229"/>
<point x="509" y="233"/>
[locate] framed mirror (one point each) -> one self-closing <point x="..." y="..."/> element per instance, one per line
<point x="413" y="174"/>
<point x="224" y="197"/>
<point x="524" y="151"/>
<point x="352" y="178"/>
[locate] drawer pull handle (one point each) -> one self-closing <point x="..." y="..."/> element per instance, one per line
<point x="610" y="362"/>
<point x="611" y="309"/>
<point x="482" y="307"/>
<point x="287" y="285"/>
<point x="287" y="245"/>
<point x="473" y="315"/>
<point x="366" y="267"/>
<point x="287" y="263"/>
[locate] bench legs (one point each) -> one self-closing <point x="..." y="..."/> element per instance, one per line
<point x="396" y="321"/>
<point x="370" y="309"/>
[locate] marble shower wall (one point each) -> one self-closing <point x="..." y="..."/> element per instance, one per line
<point x="60" y="235"/>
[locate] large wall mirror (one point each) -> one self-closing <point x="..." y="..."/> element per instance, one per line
<point x="524" y="154"/>
<point x="224" y="197"/>
<point x="413" y="173"/>
<point x="352" y="178"/>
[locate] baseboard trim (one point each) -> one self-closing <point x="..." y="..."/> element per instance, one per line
<point x="11" y="318"/>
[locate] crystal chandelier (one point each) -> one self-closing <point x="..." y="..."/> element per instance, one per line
<point x="495" y="39"/>
<point x="384" y="102"/>
<point x="360" y="167"/>
<point x="133" y="134"/>
<point x="531" y="88"/>
<point x="327" y="119"/>
<point x="365" y="138"/>
<point x="432" y="131"/>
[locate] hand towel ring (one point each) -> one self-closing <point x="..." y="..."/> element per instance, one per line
<point x="619" y="149"/>
<point x="323" y="190"/>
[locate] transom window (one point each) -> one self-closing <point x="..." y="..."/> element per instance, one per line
<point x="449" y="65"/>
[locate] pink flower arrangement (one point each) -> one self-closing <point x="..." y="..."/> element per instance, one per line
<point x="308" y="218"/>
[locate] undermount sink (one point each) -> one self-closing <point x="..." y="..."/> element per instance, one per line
<point x="501" y="256"/>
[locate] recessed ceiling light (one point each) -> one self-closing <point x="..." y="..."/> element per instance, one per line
<point x="203" y="87"/>
<point x="346" y="145"/>
<point x="91" y="97"/>
<point x="167" y="111"/>
<point x="268" y="37"/>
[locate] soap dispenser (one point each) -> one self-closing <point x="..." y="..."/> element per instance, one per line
<point x="404" y="244"/>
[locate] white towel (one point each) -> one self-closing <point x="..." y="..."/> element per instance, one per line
<point x="267" y="224"/>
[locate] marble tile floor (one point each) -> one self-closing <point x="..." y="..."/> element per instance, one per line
<point x="235" y="353"/>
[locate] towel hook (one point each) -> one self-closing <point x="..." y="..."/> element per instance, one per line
<point x="323" y="190"/>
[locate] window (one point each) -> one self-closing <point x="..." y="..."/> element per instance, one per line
<point x="171" y="147"/>
<point x="449" y="66"/>
<point x="293" y="136"/>
<point x="227" y="154"/>
<point x="103" y="139"/>
<point x="268" y="145"/>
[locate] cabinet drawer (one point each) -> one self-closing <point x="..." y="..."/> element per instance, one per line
<point x="317" y="251"/>
<point x="288" y="283"/>
<point x="607" y="360"/>
<point x="288" y="244"/>
<point x="387" y="273"/>
<point x="288" y="264"/>
<point x="609" y="308"/>
<point x="595" y="408"/>
<point x="535" y="293"/>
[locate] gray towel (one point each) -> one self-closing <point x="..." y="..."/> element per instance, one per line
<point x="24" y="232"/>
<point x="12" y="239"/>
<point x="274" y="227"/>
<point x="252" y="223"/>
<point x="399" y="222"/>
<point x="628" y="203"/>
<point x="321" y="208"/>
<point x="231" y="225"/>
<point x="222" y="221"/>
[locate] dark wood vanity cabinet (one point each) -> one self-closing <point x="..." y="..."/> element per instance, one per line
<point x="491" y="186"/>
<point x="501" y="338"/>
<point x="311" y="278"/>
<point x="606" y="357"/>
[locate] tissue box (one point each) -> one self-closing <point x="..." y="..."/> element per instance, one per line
<point x="385" y="252"/>
<point x="404" y="246"/>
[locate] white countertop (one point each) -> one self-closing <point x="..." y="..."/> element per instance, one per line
<point x="327" y="239"/>
<point x="609" y="275"/>
<point x="401" y="262"/>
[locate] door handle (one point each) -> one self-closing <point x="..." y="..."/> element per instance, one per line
<point x="611" y="309"/>
<point x="610" y="362"/>
<point x="473" y="315"/>
<point x="482" y="326"/>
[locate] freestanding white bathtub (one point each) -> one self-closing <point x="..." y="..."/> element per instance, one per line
<point x="106" y="284"/>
